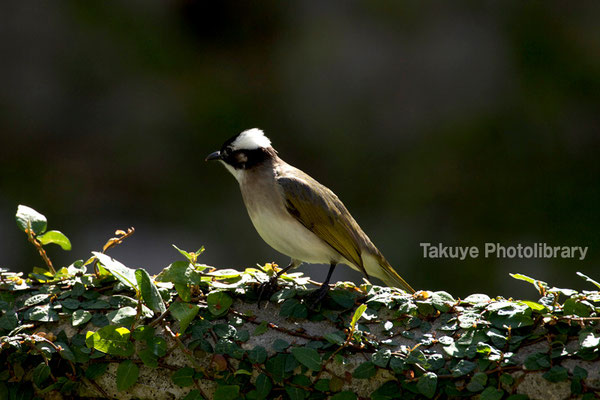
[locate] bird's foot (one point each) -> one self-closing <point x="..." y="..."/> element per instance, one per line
<point x="314" y="299"/>
<point x="266" y="289"/>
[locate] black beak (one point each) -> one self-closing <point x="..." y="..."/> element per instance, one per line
<point x="213" y="156"/>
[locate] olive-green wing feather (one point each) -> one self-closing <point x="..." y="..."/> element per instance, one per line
<point x="320" y="211"/>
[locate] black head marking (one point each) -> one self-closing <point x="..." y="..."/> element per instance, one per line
<point x="234" y="153"/>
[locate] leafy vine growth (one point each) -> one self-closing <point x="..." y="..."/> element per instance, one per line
<point x="196" y="332"/>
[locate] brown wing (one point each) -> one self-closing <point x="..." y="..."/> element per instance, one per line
<point x="320" y="211"/>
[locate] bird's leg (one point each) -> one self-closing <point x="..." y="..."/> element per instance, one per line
<point x="318" y="295"/>
<point x="267" y="288"/>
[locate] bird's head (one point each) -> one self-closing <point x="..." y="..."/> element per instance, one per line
<point x="244" y="151"/>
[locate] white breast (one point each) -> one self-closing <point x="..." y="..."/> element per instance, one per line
<point x="277" y="227"/>
<point x="288" y="236"/>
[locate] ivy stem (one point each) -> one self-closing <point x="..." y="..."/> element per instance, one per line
<point x="40" y="249"/>
<point x="158" y="319"/>
<point x="199" y="388"/>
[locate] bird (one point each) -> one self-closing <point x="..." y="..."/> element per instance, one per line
<point x="297" y="216"/>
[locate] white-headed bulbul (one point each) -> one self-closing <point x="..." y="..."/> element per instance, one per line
<point x="298" y="216"/>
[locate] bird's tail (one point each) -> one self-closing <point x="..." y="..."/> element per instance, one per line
<point x="388" y="275"/>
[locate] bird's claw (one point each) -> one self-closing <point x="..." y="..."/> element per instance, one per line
<point x="316" y="297"/>
<point x="266" y="289"/>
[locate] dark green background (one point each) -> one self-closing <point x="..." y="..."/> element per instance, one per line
<point x="462" y="124"/>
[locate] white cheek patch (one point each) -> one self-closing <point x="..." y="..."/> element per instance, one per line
<point x="251" y="139"/>
<point x="237" y="173"/>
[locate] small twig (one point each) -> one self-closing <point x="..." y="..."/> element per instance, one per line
<point x="199" y="388"/>
<point x="40" y="249"/>
<point x="158" y="319"/>
<point x="577" y="319"/>
<point x="182" y="347"/>
<point x="121" y="235"/>
<point x="96" y="386"/>
<point x="276" y="327"/>
<point x="32" y="345"/>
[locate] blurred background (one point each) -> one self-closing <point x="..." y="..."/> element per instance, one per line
<point x="460" y="123"/>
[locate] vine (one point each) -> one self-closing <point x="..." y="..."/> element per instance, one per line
<point x="199" y="334"/>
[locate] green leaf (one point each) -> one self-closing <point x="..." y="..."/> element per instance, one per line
<point x="41" y="313"/>
<point x="427" y="384"/>
<point x="80" y="317"/>
<point x="96" y="370"/>
<point x="381" y="357"/>
<point x="218" y="302"/>
<point x="322" y="385"/>
<point x="388" y="391"/>
<point x="183" y="377"/>
<point x="257" y="355"/>
<point x="295" y="393"/>
<point x="365" y="370"/>
<point x="184" y="253"/>
<point x="143" y="332"/>
<point x="27" y="217"/>
<point x="477" y="298"/>
<point x="506" y="314"/>
<point x="111" y="340"/>
<point x="95" y="305"/>
<point x="149" y="291"/>
<point x="335" y="337"/>
<point x="478" y="382"/>
<point x="181" y="272"/>
<point x="279" y="345"/>
<point x="463" y="367"/>
<point x="226" y="392"/>
<point x="123" y="316"/>
<point x="9" y="321"/>
<point x="184" y="313"/>
<point x="357" y="314"/>
<point x="189" y="255"/>
<point x="55" y="237"/>
<point x="194" y="395"/>
<point x="71" y="304"/>
<point x="40" y="374"/>
<point x="537" y="361"/>
<point x="344" y="298"/>
<point x="491" y="393"/>
<point x="345" y="395"/>
<point x="580" y="373"/>
<point x="308" y="357"/>
<point x="148" y="358"/>
<point x="263" y="386"/>
<point x="442" y="301"/>
<point x="537" y="307"/>
<point x="283" y="294"/>
<point x="507" y="379"/>
<point x="124" y="274"/>
<point x="184" y="291"/>
<point x="127" y="375"/>
<point x="590" y="280"/>
<point x="589" y="339"/>
<point x="224" y="330"/>
<point x="537" y="284"/>
<point x="557" y="374"/>
<point x="157" y="345"/>
<point x="578" y="308"/>
<point x="260" y="329"/>
<point x="276" y="367"/>
<point x="293" y="308"/>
